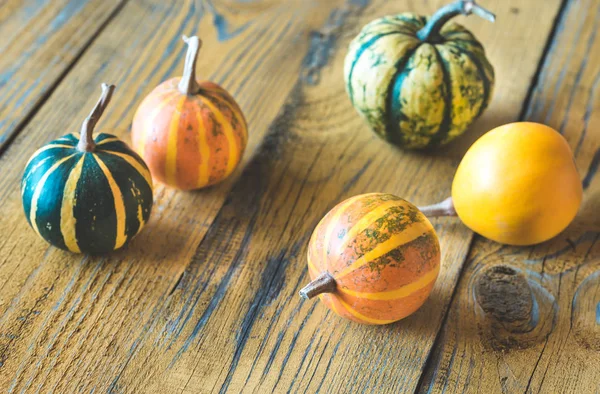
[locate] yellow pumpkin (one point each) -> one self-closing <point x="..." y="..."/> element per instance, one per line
<point x="518" y="184"/>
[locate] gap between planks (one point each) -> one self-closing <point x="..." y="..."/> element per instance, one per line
<point x="553" y="33"/>
<point x="39" y="103"/>
<point x="267" y="292"/>
<point x="429" y="367"/>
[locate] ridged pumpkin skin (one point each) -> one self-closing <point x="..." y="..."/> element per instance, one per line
<point x="89" y="202"/>
<point x="189" y="141"/>
<point x="412" y="93"/>
<point x="518" y="184"/>
<point x="383" y="254"/>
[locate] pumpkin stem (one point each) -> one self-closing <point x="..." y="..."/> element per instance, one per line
<point x="188" y="84"/>
<point x="86" y="139"/>
<point x="431" y="31"/>
<point x="323" y="284"/>
<point x="444" y="208"/>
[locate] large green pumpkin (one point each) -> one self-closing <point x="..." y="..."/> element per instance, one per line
<point x="419" y="82"/>
<point x="87" y="195"/>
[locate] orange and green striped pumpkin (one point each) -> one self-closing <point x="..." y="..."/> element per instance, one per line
<point x="373" y="259"/>
<point x="190" y="134"/>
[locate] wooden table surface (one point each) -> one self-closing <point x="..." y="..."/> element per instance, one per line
<point x="206" y="298"/>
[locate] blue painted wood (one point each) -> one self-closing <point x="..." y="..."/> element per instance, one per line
<point x="224" y="30"/>
<point x="175" y="314"/>
<point x="37" y="55"/>
<point x="592" y="170"/>
<point x="561" y="273"/>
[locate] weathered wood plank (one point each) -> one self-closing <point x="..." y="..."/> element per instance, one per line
<point x="548" y="338"/>
<point x="235" y="322"/>
<point x="69" y="322"/>
<point x="40" y="40"/>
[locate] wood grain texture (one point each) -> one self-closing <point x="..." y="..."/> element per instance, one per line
<point x="39" y="41"/>
<point x="235" y="322"/>
<point x="527" y="319"/>
<point x="205" y="299"/>
<point x="63" y="315"/>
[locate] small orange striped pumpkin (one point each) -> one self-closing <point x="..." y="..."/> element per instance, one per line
<point x="373" y="259"/>
<point x="190" y="134"/>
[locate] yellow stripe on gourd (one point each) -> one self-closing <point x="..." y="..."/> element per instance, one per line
<point x="140" y="217"/>
<point x="38" y="190"/>
<point x="35" y="167"/>
<point x="203" y="176"/>
<point x="108" y="140"/>
<point x="467" y="89"/>
<point x="45" y="148"/>
<point x="423" y="113"/>
<point x="233" y="158"/>
<point x="362" y="317"/>
<point x="366" y="221"/>
<point x="331" y="226"/>
<point x="412" y="232"/>
<point x="389" y="50"/>
<point x="135" y="164"/>
<point x="121" y="237"/>
<point x="143" y="172"/>
<point x="67" y="215"/>
<point x="401" y="292"/>
<point x="171" y="159"/>
<point x="149" y="120"/>
<point x="236" y="111"/>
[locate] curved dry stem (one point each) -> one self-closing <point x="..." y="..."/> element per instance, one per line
<point x="431" y="31"/>
<point x="86" y="139"/>
<point x="444" y="208"/>
<point x="188" y="84"/>
<point x="324" y="283"/>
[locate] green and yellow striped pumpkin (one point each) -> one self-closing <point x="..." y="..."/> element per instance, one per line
<point x="417" y="81"/>
<point x="87" y="195"/>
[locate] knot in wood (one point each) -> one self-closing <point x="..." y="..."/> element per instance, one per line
<point x="505" y="296"/>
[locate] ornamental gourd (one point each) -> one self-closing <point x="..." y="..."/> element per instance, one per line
<point x="419" y="82"/>
<point x="373" y="259"/>
<point x="191" y="134"/>
<point x="517" y="185"/>
<point x="85" y="194"/>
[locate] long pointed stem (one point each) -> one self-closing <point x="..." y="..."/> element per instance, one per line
<point x="86" y="139"/>
<point x="324" y="283"/>
<point x="444" y="208"/>
<point x="431" y="31"/>
<point x="188" y="84"/>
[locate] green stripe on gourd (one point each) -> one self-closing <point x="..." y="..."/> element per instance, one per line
<point x="419" y="82"/>
<point x="85" y="194"/>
